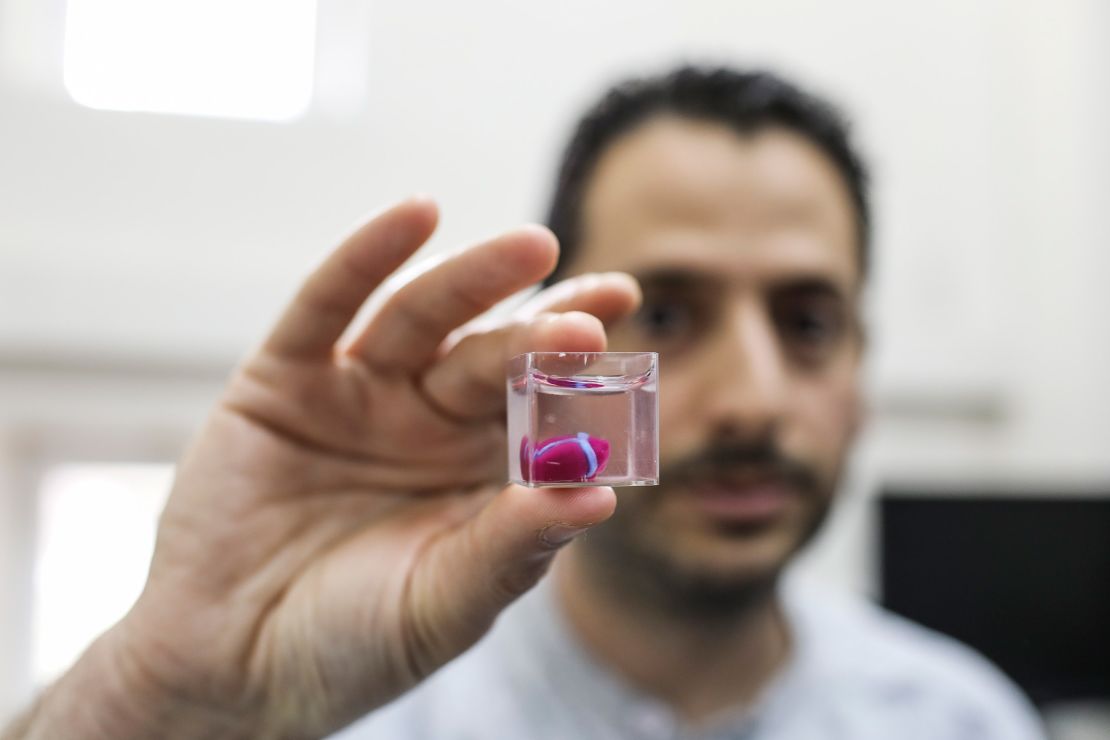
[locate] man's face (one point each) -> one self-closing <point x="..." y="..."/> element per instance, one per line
<point x="746" y="249"/>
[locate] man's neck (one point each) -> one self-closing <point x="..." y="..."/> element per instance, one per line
<point x="698" y="667"/>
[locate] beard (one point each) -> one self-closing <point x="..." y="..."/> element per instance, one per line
<point x="633" y="556"/>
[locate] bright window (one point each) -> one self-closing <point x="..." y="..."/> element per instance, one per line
<point x="96" y="527"/>
<point x="227" y="58"/>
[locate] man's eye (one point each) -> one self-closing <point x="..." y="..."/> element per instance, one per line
<point x="812" y="326"/>
<point x="664" y="319"/>
<point x="812" y="332"/>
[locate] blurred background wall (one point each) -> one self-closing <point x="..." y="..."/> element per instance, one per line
<point x="141" y="254"/>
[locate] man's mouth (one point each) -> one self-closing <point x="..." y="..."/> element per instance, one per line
<point x="743" y="500"/>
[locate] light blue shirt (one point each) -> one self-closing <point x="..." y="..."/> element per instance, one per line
<point x="856" y="673"/>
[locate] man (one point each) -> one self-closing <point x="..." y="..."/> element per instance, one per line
<point x="738" y="203"/>
<point x="335" y="534"/>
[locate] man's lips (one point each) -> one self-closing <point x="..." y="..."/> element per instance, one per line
<point x="753" y="501"/>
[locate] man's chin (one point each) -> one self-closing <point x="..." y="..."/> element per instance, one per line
<point x="720" y="532"/>
<point x="734" y="554"/>
<point x="698" y="573"/>
<point x="729" y="553"/>
<point x="711" y="583"/>
<point x="710" y="559"/>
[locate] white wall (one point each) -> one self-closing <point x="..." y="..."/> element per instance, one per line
<point x="162" y="246"/>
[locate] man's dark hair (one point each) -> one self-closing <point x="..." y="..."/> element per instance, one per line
<point x="746" y="102"/>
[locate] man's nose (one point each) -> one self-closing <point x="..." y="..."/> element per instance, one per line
<point x="747" y="393"/>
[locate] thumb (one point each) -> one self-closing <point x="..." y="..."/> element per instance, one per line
<point x="469" y="576"/>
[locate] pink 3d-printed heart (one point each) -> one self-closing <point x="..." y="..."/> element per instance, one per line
<point x="571" y="458"/>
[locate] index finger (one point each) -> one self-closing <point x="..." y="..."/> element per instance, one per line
<point x="410" y="326"/>
<point x="332" y="295"/>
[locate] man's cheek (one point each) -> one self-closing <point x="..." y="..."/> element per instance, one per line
<point x="831" y="412"/>
<point x="680" y="434"/>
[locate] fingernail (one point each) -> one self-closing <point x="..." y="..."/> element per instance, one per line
<point x="559" y="534"/>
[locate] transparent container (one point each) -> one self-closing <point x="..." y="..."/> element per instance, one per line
<point x="584" y="418"/>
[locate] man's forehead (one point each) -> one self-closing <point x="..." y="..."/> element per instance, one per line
<point x="677" y="194"/>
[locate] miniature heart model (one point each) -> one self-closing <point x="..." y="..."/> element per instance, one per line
<point x="571" y="458"/>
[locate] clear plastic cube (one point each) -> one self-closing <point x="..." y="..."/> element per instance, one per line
<point x="584" y="418"/>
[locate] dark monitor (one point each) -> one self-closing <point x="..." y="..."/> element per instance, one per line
<point x="1025" y="580"/>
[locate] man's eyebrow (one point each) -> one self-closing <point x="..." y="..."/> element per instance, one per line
<point x="685" y="278"/>
<point x="676" y="278"/>
<point x="818" y="285"/>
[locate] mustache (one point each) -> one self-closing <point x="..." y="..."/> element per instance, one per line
<point x="735" y="460"/>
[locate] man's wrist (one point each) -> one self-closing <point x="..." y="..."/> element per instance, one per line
<point x="106" y="695"/>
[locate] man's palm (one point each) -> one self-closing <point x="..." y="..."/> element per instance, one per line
<point x="337" y="531"/>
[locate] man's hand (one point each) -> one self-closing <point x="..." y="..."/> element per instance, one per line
<point x="337" y="531"/>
